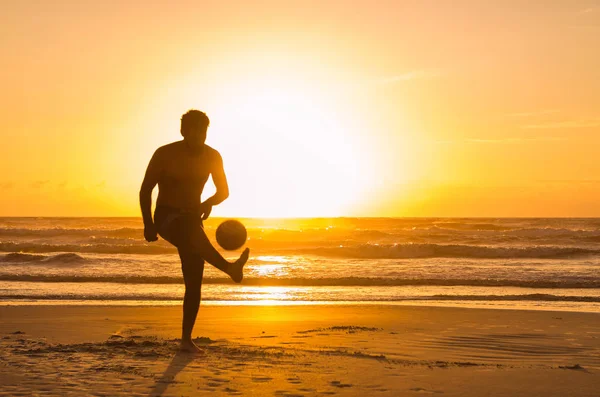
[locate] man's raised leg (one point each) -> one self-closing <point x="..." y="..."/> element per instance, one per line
<point x="201" y="244"/>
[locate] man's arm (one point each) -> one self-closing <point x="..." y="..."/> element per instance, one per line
<point x="220" y="181"/>
<point x="150" y="180"/>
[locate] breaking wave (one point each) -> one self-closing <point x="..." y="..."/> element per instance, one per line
<point x="312" y="282"/>
<point x="177" y="297"/>
<point x="359" y="251"/>
<point x="68" y="257"/>
<point x="62" y="232"/>
<point x="101" y="248"/>
<point x="407" y="251"/>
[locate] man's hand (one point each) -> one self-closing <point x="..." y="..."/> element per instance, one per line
<point x="150" y="233"/>
<point x="204" y="210"/>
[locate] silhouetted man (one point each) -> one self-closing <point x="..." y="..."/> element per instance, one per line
<point x="181" y="170"/>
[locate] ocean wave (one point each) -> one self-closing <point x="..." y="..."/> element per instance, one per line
<point x="539" y="232"/>
<point x="312" y="282"/>
<point x="64" y="258"/>
<point x="472" y="226"/>
<point x="71" y="232"/>
<point x="530" y="232"/>
<point x="174" y="297"/>
<point x="357" y="251"/>
<point x="141" y="248"/>
<point x="523" y="297"/>
<point x="130" y="240"/>
<point x="408" y="251"/>
<point x="592" y="239"/>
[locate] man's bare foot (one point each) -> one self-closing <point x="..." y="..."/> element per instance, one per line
<point x="236" y="270"/>
<point x="189" y="346"/>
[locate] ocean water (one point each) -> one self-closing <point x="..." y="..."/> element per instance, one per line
<point x="532" y="263"/>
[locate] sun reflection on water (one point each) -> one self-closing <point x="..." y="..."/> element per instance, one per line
<point x="273" y="258"/>
<point x="268" y="270"/>
<point x="270" y="293"/>
<point x="271" y="266"/>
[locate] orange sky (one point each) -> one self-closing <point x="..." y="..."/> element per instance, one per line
<point x="362" y="108"/>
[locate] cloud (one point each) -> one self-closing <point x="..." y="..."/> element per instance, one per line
<point x="564" y="124"/>
<point x="517" y="140"/>
<point x="408" y="76"/>
<point x="371" y="82"/>
<point x="590" y="10"/>
<point x="581" y="123"/>
<point x="587" y="18"/>
<point x="502" y="141"/>
<point x="534" y="113"/>
<point x="571" y="181"/>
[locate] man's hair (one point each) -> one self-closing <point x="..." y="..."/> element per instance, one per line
<point x="194" y="118"/>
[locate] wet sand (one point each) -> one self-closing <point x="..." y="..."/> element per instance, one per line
<point x="298" y="351"/>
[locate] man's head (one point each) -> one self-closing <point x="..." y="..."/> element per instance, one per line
<point x="193" y="128"/>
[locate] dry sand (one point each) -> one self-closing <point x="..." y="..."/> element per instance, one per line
<point x="298" y="351"/>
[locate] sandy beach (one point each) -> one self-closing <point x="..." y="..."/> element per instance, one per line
<point x="343" y="350"/>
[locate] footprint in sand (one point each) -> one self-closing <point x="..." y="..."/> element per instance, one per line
<point x="339" y="384"/>
<point x="285" y="393"/>
<point x="421" y="390"/>
<point x="261" y="379"/>
<point x="216" y="382"/>
<point x="219" y="380"/>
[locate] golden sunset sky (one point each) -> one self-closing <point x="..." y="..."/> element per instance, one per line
<point x="319" y="108"/>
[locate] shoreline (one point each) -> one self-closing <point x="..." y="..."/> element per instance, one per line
<point x="478" y="305"/>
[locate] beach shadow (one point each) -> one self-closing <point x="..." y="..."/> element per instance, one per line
<point x="177" y="364"/>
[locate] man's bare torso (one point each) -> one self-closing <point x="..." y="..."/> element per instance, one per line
<point x="183" y="174"/>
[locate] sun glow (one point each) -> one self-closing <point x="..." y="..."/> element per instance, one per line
<point x="289" y="149"/>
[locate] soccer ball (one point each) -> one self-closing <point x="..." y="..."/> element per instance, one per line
<point x="231" y="235"/>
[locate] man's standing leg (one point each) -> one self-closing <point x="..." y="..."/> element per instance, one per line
<point x="192" y="266"/>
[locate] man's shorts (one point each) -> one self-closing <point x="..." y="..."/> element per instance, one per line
<point x="177" y="226"/>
